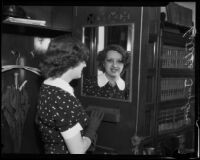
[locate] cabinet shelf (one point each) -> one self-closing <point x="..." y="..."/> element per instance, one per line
<point x="174" y="39"/>
<point x="174" y="72"/>
<point x="31" y="30"/>
<point x="180" y="28"/>
<point x="171" y="103"/>
<point x="175" y="131"/>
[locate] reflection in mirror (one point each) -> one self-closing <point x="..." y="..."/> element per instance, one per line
<point x="117" y="35"/>
<point x="109" y="68"/>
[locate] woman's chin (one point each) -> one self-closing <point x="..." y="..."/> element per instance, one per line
<point x="114" y="75"/>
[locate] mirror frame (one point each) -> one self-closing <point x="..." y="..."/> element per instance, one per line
<point x="96" y="47"/>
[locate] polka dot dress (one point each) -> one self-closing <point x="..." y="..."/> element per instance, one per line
<point x="91" y="88"/>
<point x="57" y="111"/>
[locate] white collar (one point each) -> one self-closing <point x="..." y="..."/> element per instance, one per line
<point x="102" y="80"/>
<point x="58" y="82"/>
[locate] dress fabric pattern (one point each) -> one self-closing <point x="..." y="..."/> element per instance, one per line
<point x="58" y="111"/>
<point x="91" y="88"/>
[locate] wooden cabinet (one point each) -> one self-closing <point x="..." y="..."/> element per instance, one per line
<point x="165" y="108"/>
<point x="175" y="81"/>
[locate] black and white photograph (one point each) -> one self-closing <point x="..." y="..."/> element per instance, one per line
<point x="100" y="79"/>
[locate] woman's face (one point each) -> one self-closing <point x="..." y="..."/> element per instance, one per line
<point x="113" y="64"/>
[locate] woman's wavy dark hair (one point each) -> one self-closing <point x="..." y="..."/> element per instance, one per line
<point x="63" y="53"/>
<point x="114" y="47"/>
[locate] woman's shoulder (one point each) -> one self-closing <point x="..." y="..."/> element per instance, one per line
<point x="90" y="80"/>
<point x="56" y="92"/>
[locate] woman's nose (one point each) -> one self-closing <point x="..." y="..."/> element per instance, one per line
<point x="114" y="63"/>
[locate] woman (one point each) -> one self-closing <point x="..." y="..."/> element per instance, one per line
<point x="63" y="123"/>
<point x="112" y="62"/>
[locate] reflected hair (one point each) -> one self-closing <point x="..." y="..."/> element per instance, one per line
<point x="114" y="47"/>
<point x="64" y="52"/>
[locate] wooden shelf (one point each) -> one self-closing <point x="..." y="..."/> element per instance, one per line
<point x="173" y="103"/>
<point x="175" y="131"/>
<point x="180" y="28"/>
<point x="31" y="30"/>
<point x="174" y="72"/>
<point x="174" y="39"/>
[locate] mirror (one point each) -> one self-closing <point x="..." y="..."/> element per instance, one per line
<point x="96" y="38"/>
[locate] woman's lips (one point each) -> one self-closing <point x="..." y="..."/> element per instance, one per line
<point x="114" y="70"/>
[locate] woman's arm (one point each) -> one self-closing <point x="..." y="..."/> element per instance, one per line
<point x="76" y="143"/>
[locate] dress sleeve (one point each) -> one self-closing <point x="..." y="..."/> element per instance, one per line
<point x="67" y="112"/>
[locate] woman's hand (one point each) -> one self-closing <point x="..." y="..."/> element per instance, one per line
<point x="95" y="119"/>
<point x="94" y="122"/>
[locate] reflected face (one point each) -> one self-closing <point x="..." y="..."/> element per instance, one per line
<point x="78" y="70"/>
<point x="113" y="64"/>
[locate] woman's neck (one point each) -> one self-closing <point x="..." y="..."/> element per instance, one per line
<point x="112" y="79"/>
<point x="66" y="77"/>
